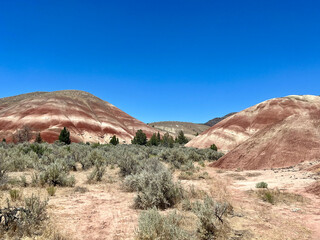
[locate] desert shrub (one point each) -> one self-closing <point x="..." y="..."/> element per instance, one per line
<point x="18" y="161"/>
<point x="15" y="195"/>
<point x="157" y="189"/>
<point x="210" y="217"/>
<point x="25" y="220"/>
<point x="39" y="149"/>
<point x="213" y="155"/>
<point x="267" y="196"/>
<point x="51" y="190"/>
<point x="262" y="185"/>
<point x="193" y="193"/>
<point x="186" y="204"/>
<point x="95" y="145"/>
<point x="175" y="157"/>
<point x="188" y="175"/>
<point x="93" y="157"/>
<point x="154" y="226"/>
<point x="3" y="172"/>
<point x="128" y="165"/>
<point x="133" y="182"/>
<point x="56" y="174"/>
<point x="98" y="171"/>
<point x="23" y="181"/>
<point x="201" y="163"/>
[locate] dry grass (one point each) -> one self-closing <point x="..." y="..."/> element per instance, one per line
<point x="236" y="176"/>
<point x="275" y="196"/>
<point x="253" y="174"/>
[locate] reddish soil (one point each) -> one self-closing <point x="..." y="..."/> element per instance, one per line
<point x="314" y="188"/>
<point x="277" y="133"/>
<point x="88" y="118"/>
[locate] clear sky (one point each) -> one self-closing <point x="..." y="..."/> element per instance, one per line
<point x="162" y="59"/>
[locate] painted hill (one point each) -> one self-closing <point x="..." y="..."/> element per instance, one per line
<point x="279" y="132"/>
<point x="173" y="127"/>
<point x="88" y="118"/>
<point x="214" y="121"/>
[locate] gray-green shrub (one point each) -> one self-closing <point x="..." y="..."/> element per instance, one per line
<point x="154" y="226"/>
<point x="210" y="217"/>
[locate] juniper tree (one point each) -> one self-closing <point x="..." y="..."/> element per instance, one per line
<point x="38" y="138"/>
<point x="214" y="147"/>
<point x="114" y="140"/>
<point x="153" y="140"/>
<point x="140" y="138"/>
<point x="65" y="136"/>
<point x="181" y="139"/>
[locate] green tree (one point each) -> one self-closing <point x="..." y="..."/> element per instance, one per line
<point x="114" y="140"/>
<point x="153" y="140"/>
<point x="140" y="138"/>
<point x="214" y="147"/>
<point x="38" y="138"/>
<point x="181" y="139"/>
<point x="167" y="140"/>
<point x="65" y="136"/>
<point x="158" y="138"/>
<point x="4" y="140"/>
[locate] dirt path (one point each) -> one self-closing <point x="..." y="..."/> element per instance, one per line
<point x="96" y="214"/>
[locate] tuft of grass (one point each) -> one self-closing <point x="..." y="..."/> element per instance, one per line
<point x="275" y="196"/>
<point x="236" y="176"/>
<point x="262" y="185"/>
<point x="255" y="174"/>
<point x="51" y="190"/>
<point x="81" y="189"/>
<point x="15" y="195"/>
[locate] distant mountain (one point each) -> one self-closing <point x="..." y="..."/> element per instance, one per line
<point x="173" y="127"/>
<point x="88" y="118"/>
<point x="214" y="121"/>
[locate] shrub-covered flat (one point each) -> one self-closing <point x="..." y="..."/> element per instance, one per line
<point x="93" y="191"/>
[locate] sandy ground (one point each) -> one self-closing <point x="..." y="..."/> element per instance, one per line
<point x="296" y="220"/>
<point x="105" y="210"/>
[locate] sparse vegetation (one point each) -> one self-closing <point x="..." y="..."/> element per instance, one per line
<point x="15" y="195"/>
<point x="152" y="225"/>
<point x="24" y="221"/>
<point x="262" y="185"/>
<point x="149" y="171"/>
<point x="210" y="217"/>
<point x="275" y="196"/>
<point x="51" y="190"/>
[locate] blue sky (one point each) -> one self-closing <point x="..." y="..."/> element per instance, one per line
<point x="162" y="59"/>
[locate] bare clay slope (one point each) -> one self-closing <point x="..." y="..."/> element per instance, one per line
<point x="279" y="132"/>
<point x="239" y="127"/>
<point x="87" y="117"/>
